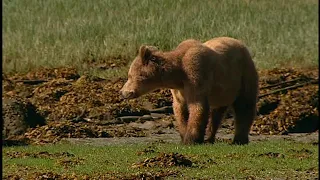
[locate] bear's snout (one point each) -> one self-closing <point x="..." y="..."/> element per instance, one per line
<point x="127" y="94"/>
<point x="127" y="91"/>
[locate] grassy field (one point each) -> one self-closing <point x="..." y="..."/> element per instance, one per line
<point x="66" y="33"/>
<point x="259" y="160"/>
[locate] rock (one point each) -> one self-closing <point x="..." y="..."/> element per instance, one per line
<point x="17" y="116"/>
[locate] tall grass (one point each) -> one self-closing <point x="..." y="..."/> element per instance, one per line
<point x="65" y="32"/>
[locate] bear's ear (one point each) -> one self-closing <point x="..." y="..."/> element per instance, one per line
<point x="145" y="54"/>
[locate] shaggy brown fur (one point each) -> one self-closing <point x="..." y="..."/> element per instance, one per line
<point x="205" y="79"/>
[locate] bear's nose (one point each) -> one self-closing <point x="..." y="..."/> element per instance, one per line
<point x="126" y="94"/>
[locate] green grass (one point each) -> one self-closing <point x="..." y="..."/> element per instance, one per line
<point x="227" y="161"/>
<point x="64" y="33"/>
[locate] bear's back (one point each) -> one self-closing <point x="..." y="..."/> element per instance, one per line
<point x="222" y="45"/>
<point x="184" y="46"/>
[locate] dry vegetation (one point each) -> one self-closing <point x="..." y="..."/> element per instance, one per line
<point x="84" y="106"/>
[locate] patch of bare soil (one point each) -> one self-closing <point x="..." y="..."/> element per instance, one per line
<point x="272" y="155"/>
<point x="165" y="160"/>
<point x="45" y="74"/>
<point x="147" y="150"/>
<point x="69" y="162"/>
<point x="77" y="106"/>
<point x="42" y="154"/>
<point x="26" y="173"/>
<point x="55" y="131"/>
<point x="301" y="154"/>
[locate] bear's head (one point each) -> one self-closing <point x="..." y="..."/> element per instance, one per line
<point x="145" y="73"/>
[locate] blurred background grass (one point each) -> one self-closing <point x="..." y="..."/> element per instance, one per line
<point x="59" y="33"/>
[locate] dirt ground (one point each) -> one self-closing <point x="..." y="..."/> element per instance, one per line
<point x="170" y="135"/>
<point x="78" y="107"/>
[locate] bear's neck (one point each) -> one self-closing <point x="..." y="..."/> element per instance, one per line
<point x="173" y="74"/>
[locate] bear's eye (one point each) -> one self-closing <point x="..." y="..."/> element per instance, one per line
<point x="153" y="58"/>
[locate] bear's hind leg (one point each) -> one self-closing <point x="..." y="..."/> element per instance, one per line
<point x="197" y="122"/>
<point x="244" y="116"/>
<point x="216" y="115"/>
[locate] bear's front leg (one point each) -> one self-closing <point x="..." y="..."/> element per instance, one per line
<point x="197" y="122"/>
<point x="181" y="113"/>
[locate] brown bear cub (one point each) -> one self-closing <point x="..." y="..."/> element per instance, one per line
<point x="205" y="79"/>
